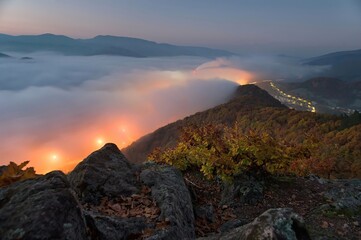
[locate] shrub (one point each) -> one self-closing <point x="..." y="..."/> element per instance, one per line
<point x="217" y="150"/>
<point x="13" y="173"/>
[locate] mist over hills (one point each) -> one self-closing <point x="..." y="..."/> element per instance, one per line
<point x="345" y="65"/>
<point x="102" y="45"/>
<point x="318" y="94"/>
<point x="346" y="93"/>
<point x="2" y="55"/>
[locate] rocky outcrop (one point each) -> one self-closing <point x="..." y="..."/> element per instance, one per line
<point x="248" y="190"/>
<point x="41" y="208"/>
<point x="105" y="182"/>
<point x="344" y="197"/>
<point x="173" y="198"/>
<point x="274" y="224"/>
<point x="105" y="173"/>
<point x="114" y="228"/>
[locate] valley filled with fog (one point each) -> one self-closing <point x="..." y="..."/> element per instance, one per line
<point x="59" y="108"/>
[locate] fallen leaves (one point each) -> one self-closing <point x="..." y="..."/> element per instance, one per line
<point x="136" y="205"/>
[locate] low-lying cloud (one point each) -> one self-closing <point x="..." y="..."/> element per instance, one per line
<point x="56" y="109"/>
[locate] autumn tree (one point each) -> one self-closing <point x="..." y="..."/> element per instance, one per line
<point x="218" y="150"/>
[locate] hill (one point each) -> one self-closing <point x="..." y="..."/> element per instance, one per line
<point x="101" y="45"/>
<point x="320" y="94"/>
<point x="345" y="65"/>
<point x="246" y="98"/>
<point x="328" y="91"/>
<point x="2" y="55"/>
<point x="254" y="109"/>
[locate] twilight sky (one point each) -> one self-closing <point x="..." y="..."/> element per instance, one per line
<point x="306" y="27"/>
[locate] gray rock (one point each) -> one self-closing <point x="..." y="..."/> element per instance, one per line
<point x="114" y="228"/>
<point x="249" y="190"/>
<point x="105" y="173"/>
<point x="345" y="196"/>
<point x="229" y="192"/>
<point x="320" y="180"/>
<point x="41" y="208"/>
<point x="205" y="212"/>
<point x="274" y="224"/>
<point x="227" y="226"/>
<point x="172" y="197"/>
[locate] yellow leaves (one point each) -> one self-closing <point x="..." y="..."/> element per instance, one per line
<point x="220" y="151"/>
<point x="14" y="173"/>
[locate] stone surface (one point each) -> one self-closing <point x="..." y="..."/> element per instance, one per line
<point x="114" y="228"/>
<point x="41" y="208"/>
<point x="345" y="196"/>
<point x="173" y="198"/>
<point x="105" y="173"/>
<point x="205" y="212"/>
<point x="320" y="180"/>
<point x="249" y="191"/>
<point x="227" y="226"/>
<point x="274" y="224"/>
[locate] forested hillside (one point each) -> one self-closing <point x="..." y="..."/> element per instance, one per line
<point x="333" y="140"/>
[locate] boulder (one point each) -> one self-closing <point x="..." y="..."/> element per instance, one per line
<point x="172" y="197"/>
<point x="114" y="228"/>
<point x="251" y="192"/>
<point x="41" y="208"/>
<point x="345" y="197"/>
<point x="231" y="224"/>
<point x="205" y="212"/>
<point x="105" y="173"/>
<point x="274" y="224"/>
<point x="248" y="189"/>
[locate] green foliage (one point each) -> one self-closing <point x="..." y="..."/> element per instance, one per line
<point x="14" y="173"/>
<point x="220" y="151"/>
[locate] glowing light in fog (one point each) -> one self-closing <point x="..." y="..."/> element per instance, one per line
<point x="100" y="142"/>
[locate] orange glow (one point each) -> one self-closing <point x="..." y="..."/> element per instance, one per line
<point x="222" y="69"/>
<point x="72" y="147"/>
<point x="233" y="74"/>
<point x="54" y="157"/>
<point x="65" y="147"/>
<point x="100" y="142"/>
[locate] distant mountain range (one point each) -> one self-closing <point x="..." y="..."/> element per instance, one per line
<point x="102" y="45"/>
<point x="345" y="65"/>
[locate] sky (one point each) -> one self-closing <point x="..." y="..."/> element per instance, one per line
<point x="302" y="28"/>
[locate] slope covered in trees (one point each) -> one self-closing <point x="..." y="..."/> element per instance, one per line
<point x="334" y="140"/>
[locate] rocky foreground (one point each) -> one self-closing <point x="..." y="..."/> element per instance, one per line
<point x="106" y="197"/>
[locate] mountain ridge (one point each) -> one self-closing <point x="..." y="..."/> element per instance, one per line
<point x="253" y="109"/>
<point x="344" y="64"/>
<point x="102" y="45"/>
<point x="247" y="97"/>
